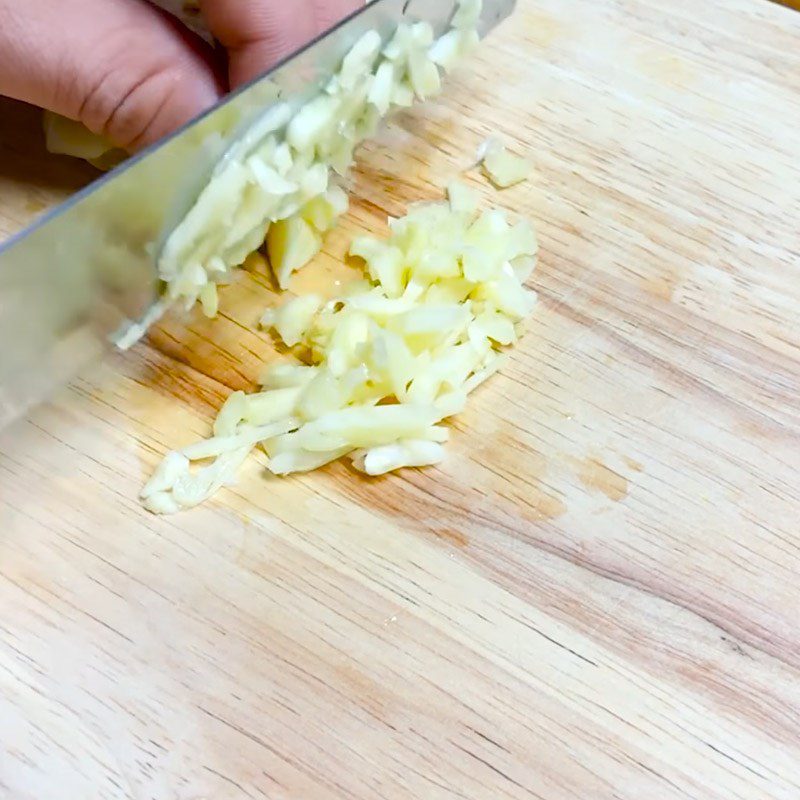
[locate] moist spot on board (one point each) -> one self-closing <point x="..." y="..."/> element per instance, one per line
<point x="593" y="474"/>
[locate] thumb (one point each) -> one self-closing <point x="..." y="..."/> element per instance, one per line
<point x="259" y="33"/>
<point x="121" y="67"/>
<point x="329" y="12"/>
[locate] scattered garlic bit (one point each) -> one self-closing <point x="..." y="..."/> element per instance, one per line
<point x="501" y="167"/>
<point x="391" y="457"/>
<point x="468" y="15"/>
<point x="279" y="182"/>
<point x="65" y="136"/>
<point x="392" y="357"/>
<point x="293" y="318"/>
<point x="131" y="333"/>
<point x="291" y="243"/>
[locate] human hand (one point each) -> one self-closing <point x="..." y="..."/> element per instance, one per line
<point x="128" y="70"/>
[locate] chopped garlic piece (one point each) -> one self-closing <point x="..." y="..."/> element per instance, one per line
<point x="463" y="200"/>
<point x="501" y="167"/>
<point x="366" y="426"/>
<point x="68" y="137"/>
<point x="169" y="470"/>
<point x="271" y="406"/>
<point x="360" y="59"/>
<point x="161" y="503"/>
<point x="380" y="93"/>
<point x="286" y="376"/>
<point x="293" y="319"/>
<point x="247" y="437"/>
<point x="468" y="14"/>
<point x="424" y="76"/>
<point x="231" y="414"/>
<point x="391" y="457"/>
<point x="209" y="300"/>
<point x="295" y="461"/>
<point x="190" y="490"/>
<point x="291" y="243"/>
<point x="446" y="50"/>
<point x="323" y="211"/>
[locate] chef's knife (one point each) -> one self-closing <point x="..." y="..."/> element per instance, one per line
<point x="75" y="282"/>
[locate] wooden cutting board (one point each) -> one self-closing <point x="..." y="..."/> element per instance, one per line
<point x="595" y="597"/>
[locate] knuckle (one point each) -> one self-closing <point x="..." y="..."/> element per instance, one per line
<point x="125" y="103"/>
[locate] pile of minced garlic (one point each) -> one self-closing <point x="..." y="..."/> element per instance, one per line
<point x="400" y="350"/>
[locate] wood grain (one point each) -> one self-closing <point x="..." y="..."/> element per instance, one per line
<point x="595" y="597"/>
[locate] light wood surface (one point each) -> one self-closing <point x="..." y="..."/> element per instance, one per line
<point x="596" y="597"/>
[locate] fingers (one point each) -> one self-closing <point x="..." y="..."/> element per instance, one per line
<point x="130" y="71"/>
<point x="329" y="12"/>
<point x="259" y="33"/>
<point x="121" y="67"/>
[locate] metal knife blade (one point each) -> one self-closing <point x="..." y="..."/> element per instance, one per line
<point x="88" y="268"/>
